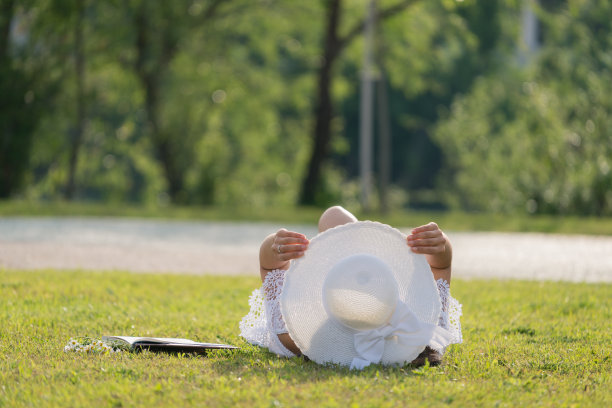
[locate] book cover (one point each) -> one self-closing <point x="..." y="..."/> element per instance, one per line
<point x="167" y="344"/>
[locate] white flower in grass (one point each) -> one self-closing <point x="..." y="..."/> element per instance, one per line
<point x="86" y="345"/>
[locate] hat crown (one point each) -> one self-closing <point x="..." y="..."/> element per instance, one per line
<point x="360" y="292"/>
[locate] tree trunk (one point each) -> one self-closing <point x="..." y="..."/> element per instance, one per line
<point x="323" y="108"/>
<point x="385" y="144"/>
<point x="529" y="43"/>
<point x="7" y="8"/>
<point x="366" y="114"/>
<point x="77" y="137"/>
<point x="7" y="172"/>
<point x="150" y="74"/>
<point x="384" y="147"/>
<point x="333" y="46"/>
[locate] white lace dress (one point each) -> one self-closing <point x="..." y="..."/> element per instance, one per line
<point x="264" y="322"/>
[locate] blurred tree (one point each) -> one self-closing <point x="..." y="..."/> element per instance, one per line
<point x="23" y="93"/>
<point x="50" y="36"/>
<point x="220" y="109"/>
<point x="80" y="101"/>
<point x="231" y="107"/>
<point x="333" y="45"/>
<point x="537" y="139"/>
<point x="10" y="172"/>
<point x="251" y="90"/>
<point x="159" y="27"/>
<point x="431" y="55"/>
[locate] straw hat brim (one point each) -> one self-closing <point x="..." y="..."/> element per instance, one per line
<point x="324" y="339"/>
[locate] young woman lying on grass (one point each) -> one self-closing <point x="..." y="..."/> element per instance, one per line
<point x="264" y="325"/>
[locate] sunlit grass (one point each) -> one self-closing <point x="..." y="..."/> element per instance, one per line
<point x="451" y="221"/>
<point x="526" y="343"/>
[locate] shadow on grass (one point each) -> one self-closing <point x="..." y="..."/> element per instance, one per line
<point x="259" y="362"/>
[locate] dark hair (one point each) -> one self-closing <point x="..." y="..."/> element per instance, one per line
<point x="430" y="355"/>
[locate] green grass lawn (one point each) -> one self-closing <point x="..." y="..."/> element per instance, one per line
<point x="449" y="220"/>
<point x="525" y="343"/>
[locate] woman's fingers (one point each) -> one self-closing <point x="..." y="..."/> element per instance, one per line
<point x="287" y="256"/>
<point x="426" y="234"/>
<point x="282" y="249"/>
<point x="427" y="239"/>
<point x="291" y="241"/>
<point x="427" y="242"/>
<point x="284" y="237"/>
<point x="287" y="252"/>
<point x="286" y="233"/>
<point x="432" y="226"/>
<point x="289" y="245"/>
<point x="430" y="241"/>
<point x="437" y="249"/>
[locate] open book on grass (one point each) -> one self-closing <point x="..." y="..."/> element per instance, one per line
<point x="166" y="344"/>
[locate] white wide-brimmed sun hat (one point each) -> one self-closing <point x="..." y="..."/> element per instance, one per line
<point x="359" y="295"/>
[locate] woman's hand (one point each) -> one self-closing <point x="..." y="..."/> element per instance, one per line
<point x="430" y="241"/>
<point x="279" y="248"/>
<point x="288" y="245"/>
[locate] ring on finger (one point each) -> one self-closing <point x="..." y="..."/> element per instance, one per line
<point x="279" y="249"/>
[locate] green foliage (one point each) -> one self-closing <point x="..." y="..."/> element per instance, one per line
<point x="232" y="112"/>
<point x="254" y="120"/>
<point x="211" y="102"/>
<point x="429" y="55"/>
<point x="24" y="94"/>
<point x="537" y="139"/>
<point x="19" y="113"/>
<point x="525" y="343"/>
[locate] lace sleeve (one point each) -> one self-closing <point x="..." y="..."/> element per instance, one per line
<point x="451" y="312"/>
<point x="272" y="288"/>
<point x="264" y="321"/>
<point x="253" y="325"/>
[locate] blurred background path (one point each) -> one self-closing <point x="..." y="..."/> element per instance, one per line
<point x="198" y="247"/>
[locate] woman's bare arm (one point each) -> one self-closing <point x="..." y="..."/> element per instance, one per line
<point x="276" y="252"/>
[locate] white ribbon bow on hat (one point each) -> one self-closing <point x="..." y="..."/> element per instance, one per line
<point x="406" y="327"/>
